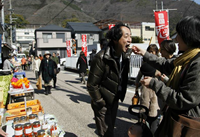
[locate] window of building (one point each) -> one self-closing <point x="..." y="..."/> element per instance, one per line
<point x="46" y="37"/>
<point x="60" y="36"/>
<point x="26" y="33"/>
<point x="20" y="37"/>
<point x="148" y="28"/>
<point x="30" y="37"/>
<point x="96" y="37"/>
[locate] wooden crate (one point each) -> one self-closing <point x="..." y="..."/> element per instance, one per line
<point x="21" y="111"/>
<point x="1" y="105"/>
<point x="24" y="113"/>
<point x="22" y="104"/>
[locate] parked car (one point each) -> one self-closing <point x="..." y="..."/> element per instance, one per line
<point x="20" y="56"/>
<point x="62" y="61"/>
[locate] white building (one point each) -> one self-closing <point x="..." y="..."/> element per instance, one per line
<point x="144" y="30"/>
<point x="24" y="37"/>
<point x="148" y="32"/>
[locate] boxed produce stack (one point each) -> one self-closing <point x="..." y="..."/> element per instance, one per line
<point x="18" y="109"/>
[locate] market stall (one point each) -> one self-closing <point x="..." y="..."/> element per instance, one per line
<point x="20" y="92"/>
<point x="26" y="117"/>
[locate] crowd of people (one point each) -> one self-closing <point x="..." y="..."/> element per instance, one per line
<point x="169" y="83"/>
<point x="46" y="65"/>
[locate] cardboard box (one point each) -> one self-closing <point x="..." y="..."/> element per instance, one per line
<point x="11" y="114"/>
<point x="22" y="104"/>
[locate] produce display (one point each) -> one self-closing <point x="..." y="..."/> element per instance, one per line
<point x="17" y="83"/>
<point x="4" y="86"/>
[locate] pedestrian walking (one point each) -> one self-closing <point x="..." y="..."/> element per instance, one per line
<point x="181" y="92"/>
<point x="40" y="56"/>
<point x="55" y="59"/>
<point x="92" y="56"/>
<point x="36" y="66"/>
<point x="108" y="77"/>
<point x="28" y="62"/>
<point x="47" y="68"/>
<point x="82" y="65"/>
<point x="58" y="56"/>
<point x="23" y="61"/>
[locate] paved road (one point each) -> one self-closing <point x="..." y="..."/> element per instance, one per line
<point x="70" y="103"/>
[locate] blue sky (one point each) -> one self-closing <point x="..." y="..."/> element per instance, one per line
<point x="197" y="1"/>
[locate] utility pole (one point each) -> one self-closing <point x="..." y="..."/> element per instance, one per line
<point x="156" y="6"/>
<point x="162" y="9"/>
<point x="3" y="21"/>
<point x="11" y="11"/>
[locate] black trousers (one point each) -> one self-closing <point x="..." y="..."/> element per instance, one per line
<point x="23" y="67"/>
<point x="54" y="81"/>
<point x="105" y="119"/>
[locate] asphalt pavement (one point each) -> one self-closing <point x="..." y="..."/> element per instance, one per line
<point x="70" y="103"/>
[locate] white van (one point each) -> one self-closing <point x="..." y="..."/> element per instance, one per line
<point x="20" y="56"/>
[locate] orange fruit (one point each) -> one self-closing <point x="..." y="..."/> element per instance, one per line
<point x="27" y="85"/>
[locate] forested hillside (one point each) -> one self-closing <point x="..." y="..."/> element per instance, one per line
<point x="56" y="11"/>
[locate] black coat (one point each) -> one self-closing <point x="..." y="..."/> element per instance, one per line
<point x="104" y="77"/>
<point x="82" y="63"/>
<point x="47" y="69"/>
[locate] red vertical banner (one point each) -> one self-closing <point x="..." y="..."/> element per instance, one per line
<point x="68" y="43"/>
<point x="162" y="25"/>
<point x="84" y="44"/>
<point x="110" y="26"/>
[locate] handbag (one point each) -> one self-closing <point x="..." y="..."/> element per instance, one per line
<point x="39" y="83"/>
<point x="56" y="71"/>
<point x="178" y="125"/>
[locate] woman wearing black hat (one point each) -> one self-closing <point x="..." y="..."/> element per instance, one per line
<point x="47" y="67"/>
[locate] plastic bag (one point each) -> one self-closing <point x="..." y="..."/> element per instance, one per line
<point x="39" y="83"/>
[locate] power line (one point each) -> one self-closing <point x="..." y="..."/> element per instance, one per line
<point x="187" y="8"/>
<point x="60" y="11"/>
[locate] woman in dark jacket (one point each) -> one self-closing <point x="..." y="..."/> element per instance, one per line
<point x="181" y="93"/>
<point x="82" y="62"/>
<point x="47" y="68"/>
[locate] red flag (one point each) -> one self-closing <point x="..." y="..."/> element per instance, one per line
<point x="68" y="43"/>
<point x="162" y="25"/>
<point x="84" y="44"/>
<point x="110" y="26"/>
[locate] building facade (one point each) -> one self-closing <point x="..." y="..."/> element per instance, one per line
<point x="24" y="38"/>
<point x="91" y="31"/>
<point x="148" y="33"/>
<point x="52" y="38"/>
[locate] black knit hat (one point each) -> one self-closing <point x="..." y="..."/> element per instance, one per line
<point x="147" y="70"/>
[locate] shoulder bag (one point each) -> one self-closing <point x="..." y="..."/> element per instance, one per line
<point x="178" y="125"/>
